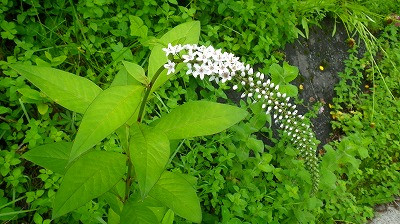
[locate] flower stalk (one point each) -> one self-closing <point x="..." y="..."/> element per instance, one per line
<point x="213" y="64"/>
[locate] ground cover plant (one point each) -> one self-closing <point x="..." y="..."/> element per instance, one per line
<point x="252" y="172"/>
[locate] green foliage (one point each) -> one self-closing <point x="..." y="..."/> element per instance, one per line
<point x="136" y="72"/>
<point x="70" y="91"/>
<point x="178" y="194"/>
<point x="111" y="109"/>
<point x="241" y="179"/>
<point x="283" y="76"/>
<point x="199" y="118"/>
<point x="90" y="176"/>
<point x="53" y="156"/>
<point x="150" y="152"/>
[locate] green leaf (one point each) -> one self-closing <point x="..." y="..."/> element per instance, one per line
<point x="185" y="33"/>
<point x="112" y="217"/>
<point x="70" y="91"/>
<point x="290" y="72"/>
<point x="42" y="108"/>
<point x="136" y="72"/>
<point x="89" y="177"/>
<point x="304" y="23"/>
<point x="138" y="29"/>
<point x="276" y="72"/>
<point x="122" y="78"/>
<point x="363" y="152"/>
<point x="289" y="89"/>
<point x="111" y="109"/>
<point x="53" y="156"/>
<point x="199" y="118"/>
<point x="256" y="145"/>
<point x="149" y="148"/>
<point x="168" y="217"/>
<point x="179" y="195"/>
<point x="135" y="212"/>
<point x="328" y="179"/>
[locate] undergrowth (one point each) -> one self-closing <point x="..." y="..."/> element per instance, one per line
<point x="245" y="175"/>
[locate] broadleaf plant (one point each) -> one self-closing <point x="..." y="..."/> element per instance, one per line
<point x="90" y="172"/>
<point x="159" y="194"/>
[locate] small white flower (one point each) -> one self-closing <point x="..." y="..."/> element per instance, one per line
<point x="200" y="70"/>
<point x="250" y="72"/>
<point x="188" y="57"/>
<point x="170" y="66"/>
<point x="202" y="57"/>
<point x="225" y="75"/>
<point x="189" y="71"/>
<point x="170" y="50"/>
<point x="235" y="87"/>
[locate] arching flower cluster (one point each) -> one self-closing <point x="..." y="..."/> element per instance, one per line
<point x="215" y="65"/>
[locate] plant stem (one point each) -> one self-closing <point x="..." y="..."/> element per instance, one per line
<point x="129" y="180"/>
<point x="147" y="93"/>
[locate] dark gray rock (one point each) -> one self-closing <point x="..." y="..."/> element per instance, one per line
<point x="321" y="49"/>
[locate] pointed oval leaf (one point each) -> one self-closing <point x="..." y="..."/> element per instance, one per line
<point x="136" y="72"/>
<point x="122" y="78"/>
<point x="185" y="33"/>
<point x="70" y="91"/>
<point x="89" y="177"/>
<point x="53" y="156"/>
<point x="197" y="118"/>
<point x="111" y="109"/>
<point x="149" y="154"/>
<point x="178" y="195"/>
<point x="137" y="213"/>
<point x="168" y="217"/>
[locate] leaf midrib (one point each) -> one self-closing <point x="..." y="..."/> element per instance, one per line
<point x="82" y="185"/>
<point x="175" y="127"/>
<point x="63" y="87"/>
<point x="107" y="118"/>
